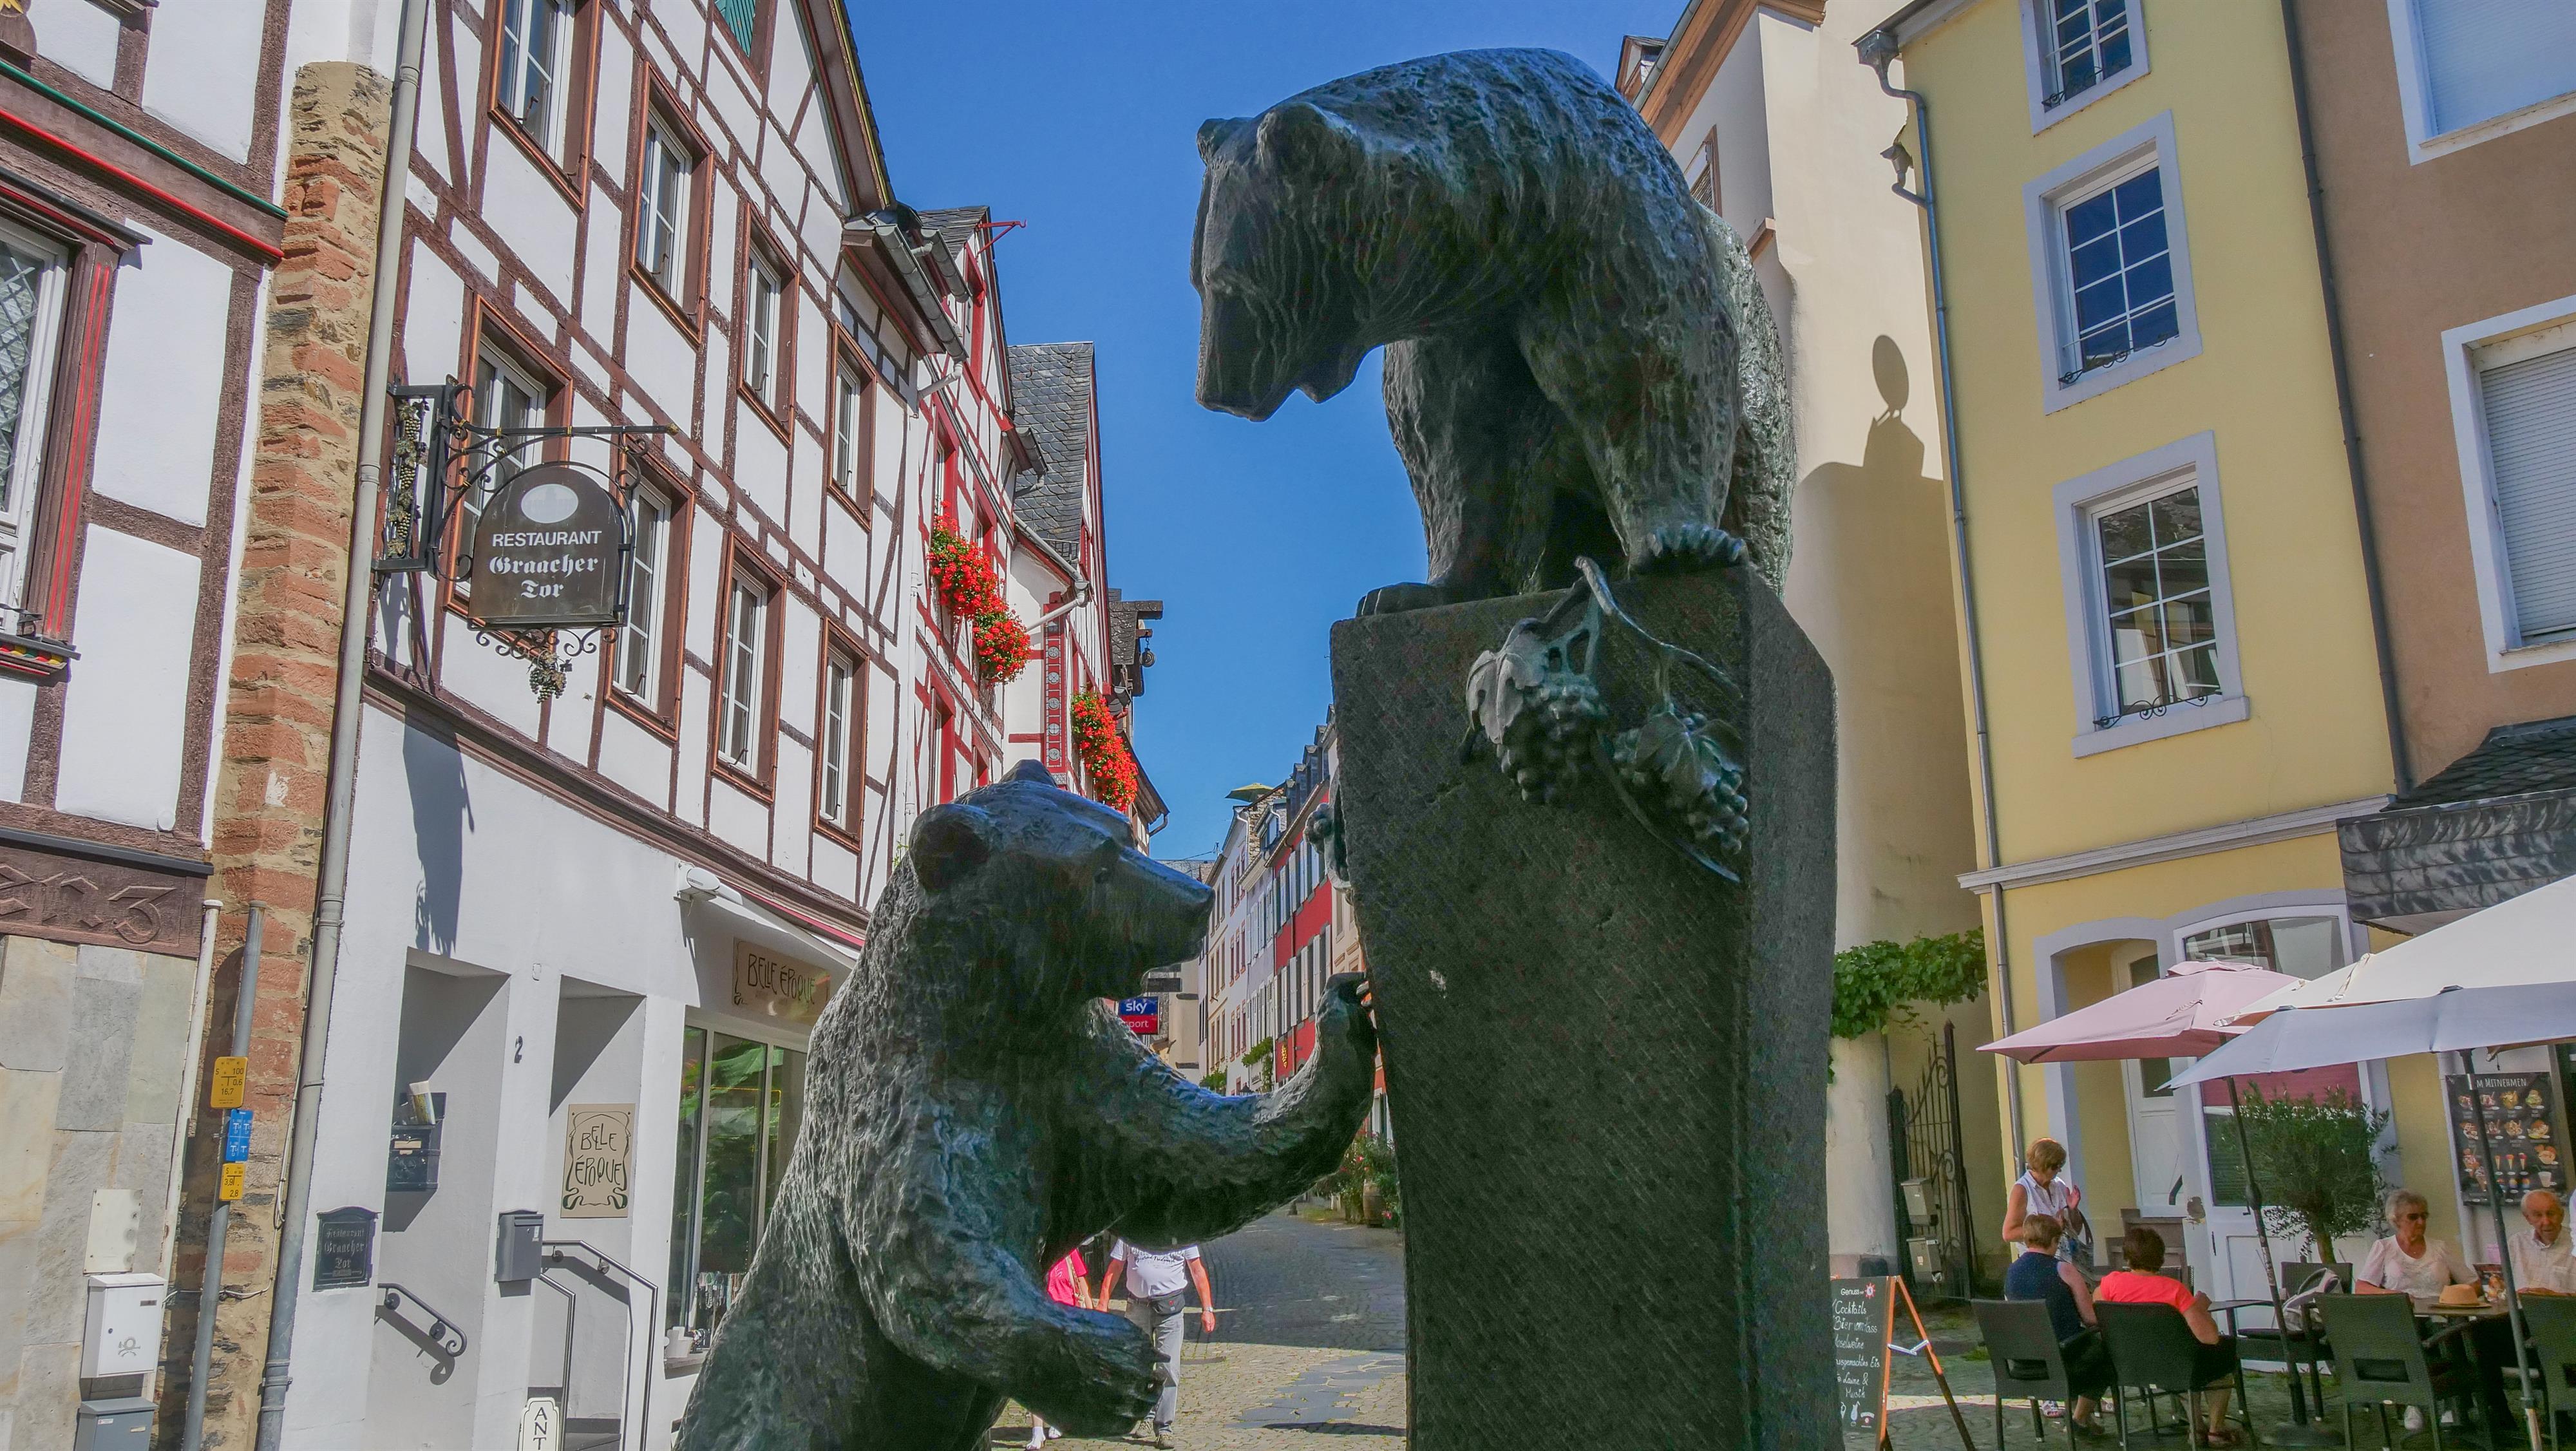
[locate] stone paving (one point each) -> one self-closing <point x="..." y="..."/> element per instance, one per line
<point x="1309" y="1344"/>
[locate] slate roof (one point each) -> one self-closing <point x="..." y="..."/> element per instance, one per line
<point x="1051" y="400"/>
<point x="2514" y="760"/>
<point x="956" y="225"/>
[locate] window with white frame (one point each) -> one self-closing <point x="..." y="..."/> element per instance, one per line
<point x="648" y="575"/>
<point x="507" y="396"/>
<point x="2470" y="69"/>
<point x="2086" y="43"/>
<point x="840" y="732"/>
<point x="2110" y="266"/>
<point x="536" y="42"/>
<point x="1703" y="172"/>
<point x="2150" y="614"/>
<point x="2526" y="400"/>
<point x="849" y="428"/>
<point x="32" y="275"/>
<point x="760" y="361"/>
<point x="746" y="649"/>
<point x="662" y="211"/>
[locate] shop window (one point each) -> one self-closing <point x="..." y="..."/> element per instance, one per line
<point x="741" y="1103"/>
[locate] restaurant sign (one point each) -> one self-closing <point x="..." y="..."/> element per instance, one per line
<point x="772" y="986"/>
<point x="549" y="551"/>
<point x="599" y="1145"/>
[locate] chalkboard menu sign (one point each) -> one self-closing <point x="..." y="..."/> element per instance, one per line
<point x="1864" y="1322"/>
<point x="2524" y="1146"/>
<point x="344" y="1248"/>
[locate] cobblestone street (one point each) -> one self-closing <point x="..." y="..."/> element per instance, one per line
<point x="1309" y="1343"/>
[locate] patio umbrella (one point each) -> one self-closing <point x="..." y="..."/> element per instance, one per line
<point x="2449" y="1020"/>
<point x="2185" y="1013"/>
<point x="2514" y="943"/>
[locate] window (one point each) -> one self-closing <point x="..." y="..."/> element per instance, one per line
<point x="2110" y="269"/>
<point x="739" y="713"/>
<point x="506" y="396"/>
<point x="2469" y="70"/>
<point x="742" y="18"/>
<point x="536" y="43"/>
<point x="760" y="360"/>
<point x="840" y="740"/>
<point x="740" y="1105"/>
<point x="851" y="410"/>
<point x="648" y="574"/>
<point x="662" y="209"/>
<point x="31" y="304"/>
<point x="2088" y="43"/>
<point x="2513" y="411"/>
<point x="2150" y="615"/>
<point x="1703" y="173"/>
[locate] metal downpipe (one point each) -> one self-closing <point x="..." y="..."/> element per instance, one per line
<point x="331" y="898"/>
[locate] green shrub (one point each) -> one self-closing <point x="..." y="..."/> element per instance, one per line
<point x="1878" y="983"/>
<point x="2317" y="1163"/>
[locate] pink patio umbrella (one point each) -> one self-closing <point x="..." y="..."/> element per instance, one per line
<point x="2182" y="1014"/>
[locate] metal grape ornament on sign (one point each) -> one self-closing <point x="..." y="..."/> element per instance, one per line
<point x="1535" y="703"/>
<point x="549" y="552"/>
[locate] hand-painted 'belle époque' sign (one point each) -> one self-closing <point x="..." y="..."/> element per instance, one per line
<point x="599" y="1144"/>
<point x="778" y="987"/>
<point x="549" y="551"/>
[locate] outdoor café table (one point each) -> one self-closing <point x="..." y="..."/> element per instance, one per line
<point x="2490" y="1345"/>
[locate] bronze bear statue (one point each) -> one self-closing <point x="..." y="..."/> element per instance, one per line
<point x="973" y="1111"/>
<point x="1579" y="356"/>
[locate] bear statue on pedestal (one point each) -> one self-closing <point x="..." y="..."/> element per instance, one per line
<point x="1579" y="356"/>
<point x="973" y="1111"/>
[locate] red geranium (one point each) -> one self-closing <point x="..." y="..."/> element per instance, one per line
<point x="1002" y="647"/>
<point x="1102" y="748"/>
<point x="966" y="580"/>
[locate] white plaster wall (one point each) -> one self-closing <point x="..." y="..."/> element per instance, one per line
<point x="163" y="391"/>
<point x="433" y="319"/>
<point x="81" y="38"/>
<point x="603" y="267"/>
<point x="17" y="725"/>
<point x="201" y="72"/>
<point x="659" y="360"/>
<point x="635" y="758"/>
<point x="759" y="459"/>
<point x="531" y="218"/>
<point x="126" y="706"/>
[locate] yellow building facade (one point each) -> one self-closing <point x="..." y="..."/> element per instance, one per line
<point x="2181" y="689"/>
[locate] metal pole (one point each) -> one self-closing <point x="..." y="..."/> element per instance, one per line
<point x="2504" y="1251"/>
<point x="210" y="1285"/>
<point x="331" y="897"/>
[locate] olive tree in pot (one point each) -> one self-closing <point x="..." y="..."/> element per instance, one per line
<point x="2317" y="1160"/>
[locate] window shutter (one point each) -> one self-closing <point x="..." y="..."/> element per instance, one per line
<point x="2483" y="58"/>
<point x="2531" y="439"/>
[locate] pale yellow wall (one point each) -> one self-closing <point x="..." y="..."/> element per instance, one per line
<point x="2424" y="1141"/>
<point x="2102" y="1104"/>
<point x="2262" y="384"/>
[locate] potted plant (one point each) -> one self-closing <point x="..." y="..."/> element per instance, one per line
<point x="2317" y="1163"/>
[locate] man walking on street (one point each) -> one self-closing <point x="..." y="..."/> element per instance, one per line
<point x="1154" y="1283"/>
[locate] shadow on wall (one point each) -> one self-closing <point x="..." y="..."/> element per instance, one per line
<point x="441" y="815"/>
<point x="1883" y="526"/>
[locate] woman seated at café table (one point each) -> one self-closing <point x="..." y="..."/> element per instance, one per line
<point x="2406" y="1263"/>
<point x="2144" y="1251"/>
<point x="2038" y="1274"/>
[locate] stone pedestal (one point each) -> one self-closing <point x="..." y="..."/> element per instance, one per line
<point x="1606" y="1066"/>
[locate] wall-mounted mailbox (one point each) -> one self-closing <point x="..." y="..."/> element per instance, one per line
<point x="411" y="1162"/>
<point x="122" y="1424"/>
<point x="522" y="1252"/>
<point x="122" y="1334"/>
<point x="1919" y="1205"/>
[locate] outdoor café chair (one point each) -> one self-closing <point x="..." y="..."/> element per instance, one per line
<point x="2551" y="1320"/>
<point x="2153" y="1349"/>
<point x="2029" y="1364"/>
<point x="2380" y="1361"/>
<point x="2306" y="1341"/>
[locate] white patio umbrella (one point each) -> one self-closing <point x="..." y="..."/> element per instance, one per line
<point x="2530" y="939"/>
<point x="2448" y="1020"/>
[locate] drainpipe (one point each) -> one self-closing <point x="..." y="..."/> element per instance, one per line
<point x="211" y="908"/>
<point x="210" y="1285"/>
<point x="1878" y="50"/>
<point x="1081" y="581"/>
<point x="2405" y="777"/>
<point x="331" y="900"/>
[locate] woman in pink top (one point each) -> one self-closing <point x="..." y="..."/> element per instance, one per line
<point x="1069" y="1283"/>
<point x="2144" y="1251"/>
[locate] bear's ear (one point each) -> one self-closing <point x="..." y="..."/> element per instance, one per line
<point x="948" y="843"/>
<point x="1302" y="141"/>
<point x="1214" y="134"/>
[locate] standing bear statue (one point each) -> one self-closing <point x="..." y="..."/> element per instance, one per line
<point x="974" y="1110"/>
<point x="1580" y="359"/>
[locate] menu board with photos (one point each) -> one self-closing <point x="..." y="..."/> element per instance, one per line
<point x="2525" y="1139"/>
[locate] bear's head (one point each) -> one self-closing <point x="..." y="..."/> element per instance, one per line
<point x="1275" y="259"/>
<point x="1043" y="881"/>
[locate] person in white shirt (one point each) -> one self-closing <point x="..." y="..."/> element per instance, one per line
<point x="2406" y="1263"/>
<point x="1155" y="1279"/>
<point x="2544" y="1262"/>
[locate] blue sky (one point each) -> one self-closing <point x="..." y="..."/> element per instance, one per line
<point x="1081" y="119"/>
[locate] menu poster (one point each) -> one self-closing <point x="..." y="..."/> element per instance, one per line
<point x="1864" y="1322"/>
<point x="2524" y="1143"/>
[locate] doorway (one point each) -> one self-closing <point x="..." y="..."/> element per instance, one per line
<point x="2155" y="1136"/>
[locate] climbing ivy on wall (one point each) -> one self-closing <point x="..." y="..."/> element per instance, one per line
<point x="1878" y="983"/>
